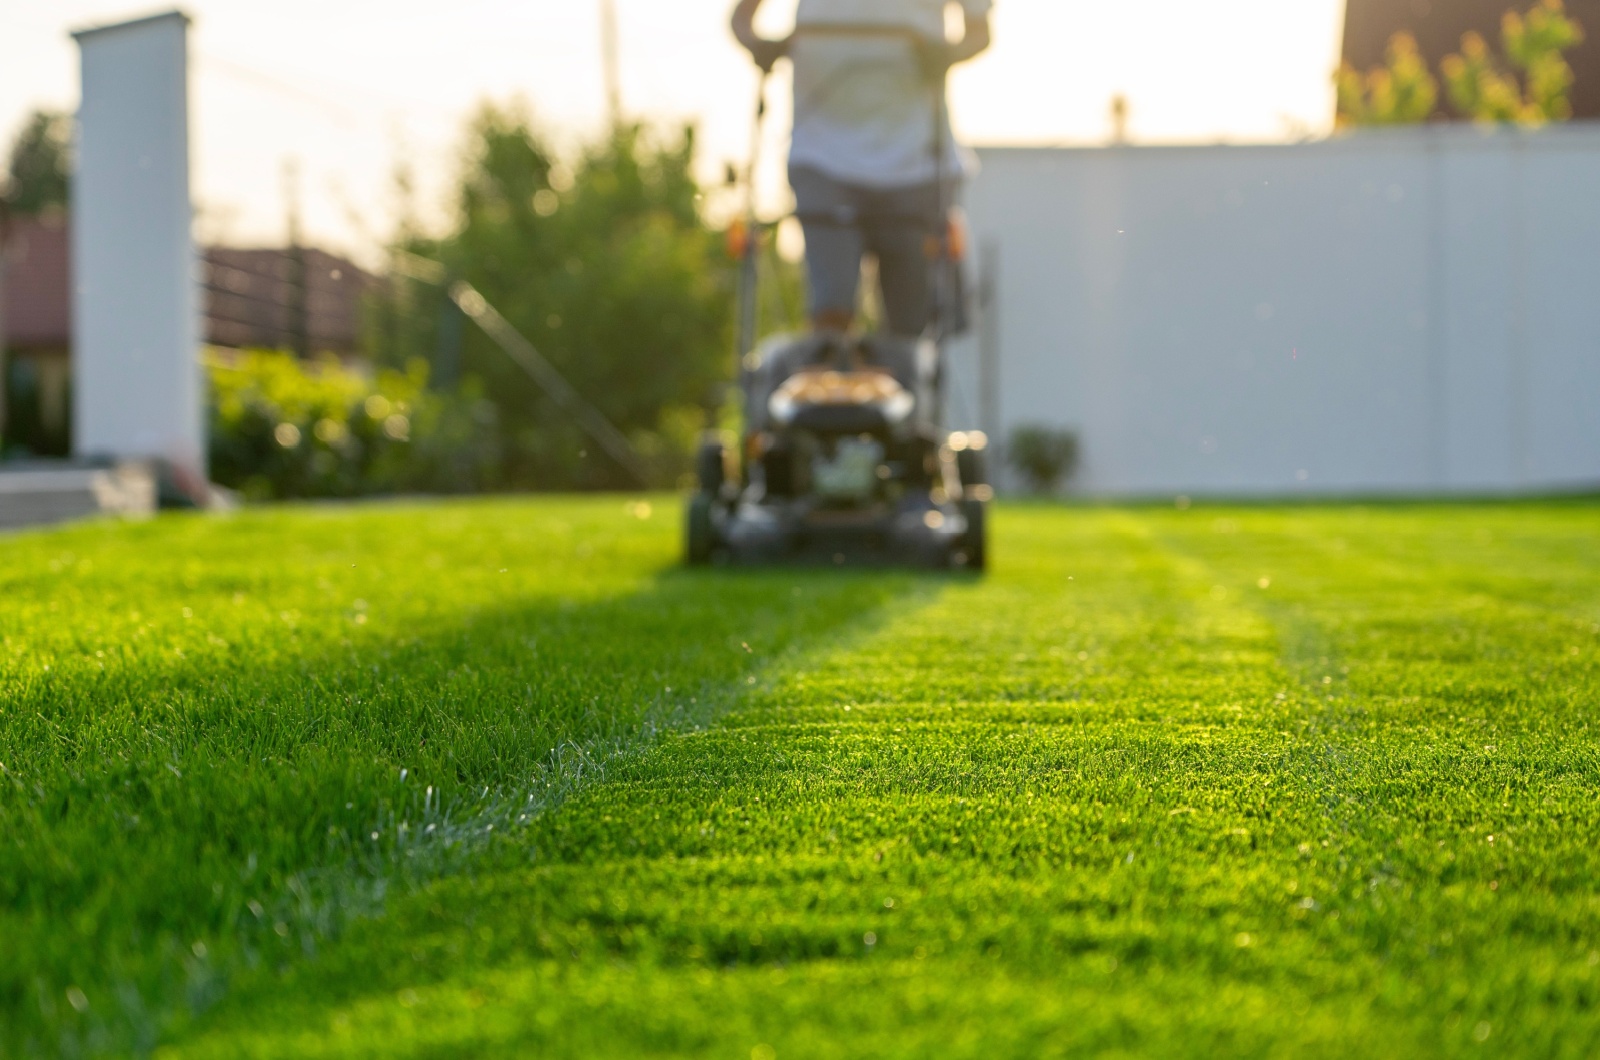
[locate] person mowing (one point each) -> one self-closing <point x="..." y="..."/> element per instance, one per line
<point x="863" y="165"/>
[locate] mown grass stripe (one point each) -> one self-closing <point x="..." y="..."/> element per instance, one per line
<point x="1102" y="802"/>
<point x="1113" y="814"/>
<point x="226" y="739"/>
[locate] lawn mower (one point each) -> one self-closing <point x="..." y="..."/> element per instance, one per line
<point x="845" y="458"/>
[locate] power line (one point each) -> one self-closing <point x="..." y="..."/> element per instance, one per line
<point x="239" y="71"/>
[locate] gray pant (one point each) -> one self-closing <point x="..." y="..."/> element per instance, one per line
<point x="843" y="222"/>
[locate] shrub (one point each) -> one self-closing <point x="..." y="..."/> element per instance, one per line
<point x="1405" y="92"/>
<point x="1533" y="43"/>
<point x="1401" y="93"/>
<point x="282" y="428"/>
<point x="1046" y="456"/>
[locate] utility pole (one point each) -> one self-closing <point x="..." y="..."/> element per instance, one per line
<point x="1119" y="120"/>
<point x="611" y="61"/>
<point x="297" y="330"/>
<point x="5" y="364"/>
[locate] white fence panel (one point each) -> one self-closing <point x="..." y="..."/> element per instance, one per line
<point x="1413" y="311"/>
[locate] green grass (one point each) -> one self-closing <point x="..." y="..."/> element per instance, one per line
<point x="1239" y="782"/>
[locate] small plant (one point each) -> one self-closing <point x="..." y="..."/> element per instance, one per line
<point x="1046" y="456"/>
<point x="1481" y="89"/>
<point x="1403" y="92"/>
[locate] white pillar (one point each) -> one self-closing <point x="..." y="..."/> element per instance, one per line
<point x="137" y="390"/>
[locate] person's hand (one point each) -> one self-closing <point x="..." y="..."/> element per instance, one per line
<point x="766" y="53"/>
<point x="936" y="56"/>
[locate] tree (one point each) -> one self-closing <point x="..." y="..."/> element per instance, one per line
<point x="40" y="169"/>
<point x="1534" y="43"/>
<point x="1403" y="92"/>
<point x="606" y="265"/>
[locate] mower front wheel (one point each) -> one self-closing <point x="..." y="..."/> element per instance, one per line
<point x="700" y="535"/>
<point x="973" y="467"/>
<point x="976" y="542"/>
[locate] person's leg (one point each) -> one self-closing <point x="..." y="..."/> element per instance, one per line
<point x="898" y="225"/>
<point x="834" y="245"/>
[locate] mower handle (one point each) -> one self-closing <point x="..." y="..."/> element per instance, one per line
<point x="918" y="41"/>
<point x="860" y="29"/>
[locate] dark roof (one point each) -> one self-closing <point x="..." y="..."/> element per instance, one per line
<point x="1439" y="24"/>
<point x="38" y="284"/>
<point x="250" y="295"/>
<point x="112" y="27"/>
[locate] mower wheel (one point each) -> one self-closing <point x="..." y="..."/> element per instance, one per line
<point x="711" y="467"/>
<point x="973" y="466"/>
<point x="976" y="543"/>
<point x="700" y="537"/>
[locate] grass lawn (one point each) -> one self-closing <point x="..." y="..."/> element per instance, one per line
<point x="498" y="779"/>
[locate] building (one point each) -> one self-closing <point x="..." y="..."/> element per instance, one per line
<point x="1439" y="25"/>
<point x="36" y="334"/>
<point x="305" y="300"/>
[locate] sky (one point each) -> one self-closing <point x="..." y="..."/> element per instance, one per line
<point x="349" y="89"/>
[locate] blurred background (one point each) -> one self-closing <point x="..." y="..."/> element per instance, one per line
<point x="1181" y="207"/>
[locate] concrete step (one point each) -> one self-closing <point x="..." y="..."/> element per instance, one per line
<point x="39" y="496"/>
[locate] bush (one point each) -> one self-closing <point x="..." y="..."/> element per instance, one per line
<point x="1405" y="92"/>
<point x="281" y="428"/>
<point x="1046" y="456"/>
<point x="1534" y="43"/>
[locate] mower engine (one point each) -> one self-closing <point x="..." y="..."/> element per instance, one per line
<point x="843" y="462"/>
<point x="854" y="473"/>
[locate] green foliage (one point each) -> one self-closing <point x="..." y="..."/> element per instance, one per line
<point x="1223" y="782"/>
<point x="1478" y="88"/>
<point x="607" y="266"/>
<point x="281" y="429"/>
<point x="1481" y="90"/>
<point x="27" y="430"/>
<point x="1403" y="92"/>
<point x="1046" y="456"/>
<point x="39" y="173"/>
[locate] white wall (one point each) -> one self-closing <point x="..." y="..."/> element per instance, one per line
<point x="1405" y="311"/>
<point x="136" y="374"/>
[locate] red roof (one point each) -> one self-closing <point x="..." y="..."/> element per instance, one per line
<point x="38" y="284"/>
<point x="248" y="294"/>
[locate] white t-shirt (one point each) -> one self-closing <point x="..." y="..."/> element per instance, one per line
<point x="863" y="110"/>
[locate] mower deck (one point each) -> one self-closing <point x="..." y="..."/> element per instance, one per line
<point x="919" y="536"/>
